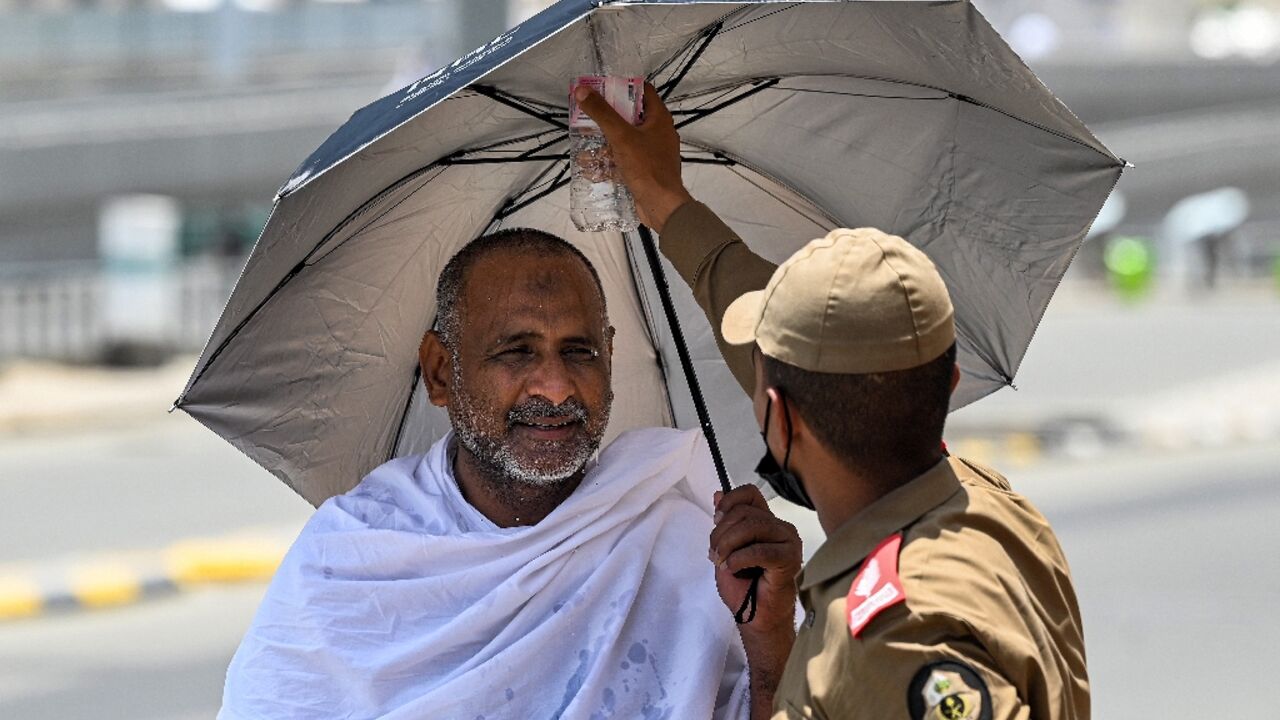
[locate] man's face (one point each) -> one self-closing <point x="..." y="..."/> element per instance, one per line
<point x="529" y="390"/>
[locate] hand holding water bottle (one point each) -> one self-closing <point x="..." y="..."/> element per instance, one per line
<point x="647" y="155"/>
<point x="598" y="199"/>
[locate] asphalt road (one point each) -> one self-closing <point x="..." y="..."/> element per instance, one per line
<point x="1175" y="563"/>
<point x="163" y="660"/>
<point x="1173" y="558"/>
<point x="137" y="488"/>
<point x="1094" y="357"/>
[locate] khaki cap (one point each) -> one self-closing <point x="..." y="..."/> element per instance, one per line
<point x="854" y="302"/>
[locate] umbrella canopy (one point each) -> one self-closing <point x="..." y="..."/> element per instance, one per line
<point x="913" y="117"/>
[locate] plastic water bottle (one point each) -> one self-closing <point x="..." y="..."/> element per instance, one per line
<point x="598" y="199"/>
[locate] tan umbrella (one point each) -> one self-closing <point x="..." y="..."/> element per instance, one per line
<point x="913" y="117"/>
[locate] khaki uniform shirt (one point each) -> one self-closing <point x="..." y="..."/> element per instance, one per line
<point x="983" y="622"/>
<point x="989" y="627"/>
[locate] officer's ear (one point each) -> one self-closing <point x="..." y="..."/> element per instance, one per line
<point x="801" y="430"/>
<point x="955" y="376"/>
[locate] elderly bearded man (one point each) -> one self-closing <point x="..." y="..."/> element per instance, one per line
<point x="503" y="574"/>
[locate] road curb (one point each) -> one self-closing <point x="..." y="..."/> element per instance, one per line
<point x="1243" y="415"/>
<point x="46" y="397"/>
<point x="111" y="582"/>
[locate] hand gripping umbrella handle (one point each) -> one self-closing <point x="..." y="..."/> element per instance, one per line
<point x="747" y="611"/>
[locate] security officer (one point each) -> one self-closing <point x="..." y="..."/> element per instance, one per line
<point x="939" y="592"/>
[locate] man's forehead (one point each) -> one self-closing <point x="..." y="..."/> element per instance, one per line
<point x="520" y="292"/>
<point x="506" y="270"/>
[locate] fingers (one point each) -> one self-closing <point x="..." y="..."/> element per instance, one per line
<point x="655" y="111"/>
<point x="743" y="495"/>
<point x="751" y="536"/>
<point x="595" y="106"/>
<point x="775" y="557"/>
<point x="744" y="524"/>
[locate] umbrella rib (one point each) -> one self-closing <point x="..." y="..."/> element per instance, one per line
<point x="737" y="163"/>
<point x="650" y="327"/>
<point x="542" y="146"/>
<point x="707" y="161"/>
<point x="556" y="184"/>
<point x="642" y="296"/>
<point x="501" y="160"/>
<point x="721" y="93"/>
<point x="514" y="141"/>
<point x="873" y="96"/>
<point x="1056" y="133"/>
<point x="404" y="415"/>
<point x="670" y="86"/>
<point x="775" y="196"/>
<point x="698" y="114"/>
<point x="302" y="264"/>
<point x="763" y="85"/>
<point x="511" y="102"/>
<point x="684" y="49"/>
<point x="762" y="17"/>
<point x="962" y="331"/>
<point x="672" y="59"/>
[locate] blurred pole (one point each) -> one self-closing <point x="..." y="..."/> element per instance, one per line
<point x="138" y="244"/>
<point x="229" y="44"/>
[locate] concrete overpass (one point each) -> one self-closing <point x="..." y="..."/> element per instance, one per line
<point x="215" y="109"/>
<point x="1187" y="128"/>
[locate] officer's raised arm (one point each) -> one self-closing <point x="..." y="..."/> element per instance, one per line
<point x="719" y="267"/>
<point x="710" y="257"/>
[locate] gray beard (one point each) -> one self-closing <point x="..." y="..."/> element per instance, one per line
<point x="495" y="457"/>
<point x="498" y="463"/>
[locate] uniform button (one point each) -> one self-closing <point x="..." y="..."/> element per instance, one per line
<point x="809" y="618"/>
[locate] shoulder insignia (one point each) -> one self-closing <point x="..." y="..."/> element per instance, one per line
<point x="876" y="586"/>
<point x="948" y="691"/>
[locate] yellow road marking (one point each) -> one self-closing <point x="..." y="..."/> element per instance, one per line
<point x="19" y="597"/>
<point x="105" y="585"/>
<point x="223" y="561"/>
<point x="979" y="450"/>
<point x="1023" y="449"/>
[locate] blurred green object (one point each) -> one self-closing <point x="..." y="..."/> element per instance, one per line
<point x="1129" y="262"/>
<point x="1275" y="270"/>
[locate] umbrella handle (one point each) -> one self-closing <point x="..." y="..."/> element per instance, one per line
<point x="677" y="335"/>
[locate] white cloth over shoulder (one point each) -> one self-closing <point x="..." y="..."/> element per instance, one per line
<point x="400" y="600"/>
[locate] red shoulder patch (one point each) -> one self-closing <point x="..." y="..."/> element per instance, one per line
<point x="877" y="585"/>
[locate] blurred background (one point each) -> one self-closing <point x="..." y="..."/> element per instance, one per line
<point x="141" y="144"/>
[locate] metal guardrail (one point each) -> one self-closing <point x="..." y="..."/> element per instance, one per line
<point x="57" y="314"/>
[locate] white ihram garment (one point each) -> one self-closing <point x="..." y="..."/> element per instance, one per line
<point x="400" y="600"/>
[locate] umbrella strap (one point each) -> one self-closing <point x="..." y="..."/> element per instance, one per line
<point x="747" y="610"/>
<point x="677" y="336"/>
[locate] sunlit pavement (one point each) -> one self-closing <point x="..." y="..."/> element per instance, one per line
<point x="1173" y="556"/>
<point x="1172" y="548"/>
<point x="163" y="660"/>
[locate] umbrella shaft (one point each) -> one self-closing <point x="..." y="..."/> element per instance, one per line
<point x="686" y="364"/>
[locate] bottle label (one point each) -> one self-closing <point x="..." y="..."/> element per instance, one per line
<point x="625" y="94"/>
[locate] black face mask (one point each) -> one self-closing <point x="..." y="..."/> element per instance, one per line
<point x="783" y="481"/>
